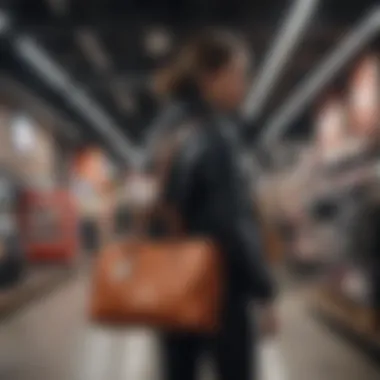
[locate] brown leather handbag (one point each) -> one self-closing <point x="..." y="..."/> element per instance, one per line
<point x="172" y="284"/>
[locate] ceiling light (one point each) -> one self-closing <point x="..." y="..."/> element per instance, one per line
<point x="157" y="42"/>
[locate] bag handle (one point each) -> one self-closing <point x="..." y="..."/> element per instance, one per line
<point x="162" y="211"/>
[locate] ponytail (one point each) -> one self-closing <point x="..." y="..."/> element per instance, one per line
<point x="204" y="54"/>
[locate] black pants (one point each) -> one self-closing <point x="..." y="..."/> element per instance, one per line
<point x="232" y="350"/>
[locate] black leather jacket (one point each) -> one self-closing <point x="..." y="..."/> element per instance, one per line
<point x="207" y="187"/>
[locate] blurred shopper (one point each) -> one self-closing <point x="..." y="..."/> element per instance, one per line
<point x="207" y="189"/>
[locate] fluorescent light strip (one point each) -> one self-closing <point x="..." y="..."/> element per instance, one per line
<point x="30" y="52"/>
<point x="285" y="43"/>
<point x="71" y="129"/>
<point x="58" y="78"/>
<point x="4" y="23"/>
<point x="305" y="93"/>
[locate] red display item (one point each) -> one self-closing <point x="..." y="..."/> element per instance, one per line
<point x="50" y="227"/>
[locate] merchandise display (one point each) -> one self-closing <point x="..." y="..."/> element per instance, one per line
<point x="348" y="289"/>
<point x="350" y="277"/>
<point x="50" y="227"/>
<point x="330" y="210"/>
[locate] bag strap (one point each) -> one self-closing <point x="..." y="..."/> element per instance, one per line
<point x="165" y="157"/>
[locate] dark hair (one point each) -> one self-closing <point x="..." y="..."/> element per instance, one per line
<point x="204" y="54"/>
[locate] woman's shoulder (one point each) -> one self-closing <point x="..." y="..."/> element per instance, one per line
<point x="196" y="131"/>
<point x="192" y="139"/>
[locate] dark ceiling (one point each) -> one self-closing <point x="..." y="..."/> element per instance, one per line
<point x="120" y="83"/>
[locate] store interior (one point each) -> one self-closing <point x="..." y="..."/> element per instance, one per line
<point x="79" y="101"/>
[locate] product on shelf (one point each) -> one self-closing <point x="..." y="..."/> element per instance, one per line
<point x="50" y="227"/>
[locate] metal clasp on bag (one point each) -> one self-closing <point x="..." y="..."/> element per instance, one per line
<point x="122" y="269"/>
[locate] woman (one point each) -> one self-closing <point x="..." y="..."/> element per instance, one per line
<point x="206" y="188"/>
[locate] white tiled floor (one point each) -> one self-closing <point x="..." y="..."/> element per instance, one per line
<point x="51" y="341"/>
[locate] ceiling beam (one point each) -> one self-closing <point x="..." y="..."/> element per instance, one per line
<point x="285" y="43"/>
<point x="255" y="31"/>
<point x="361" y="35"/>
<point x="61" y="82"/>
<point x="19" y="94"/>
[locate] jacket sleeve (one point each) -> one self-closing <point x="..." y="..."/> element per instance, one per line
<point x="234" y="220"/>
